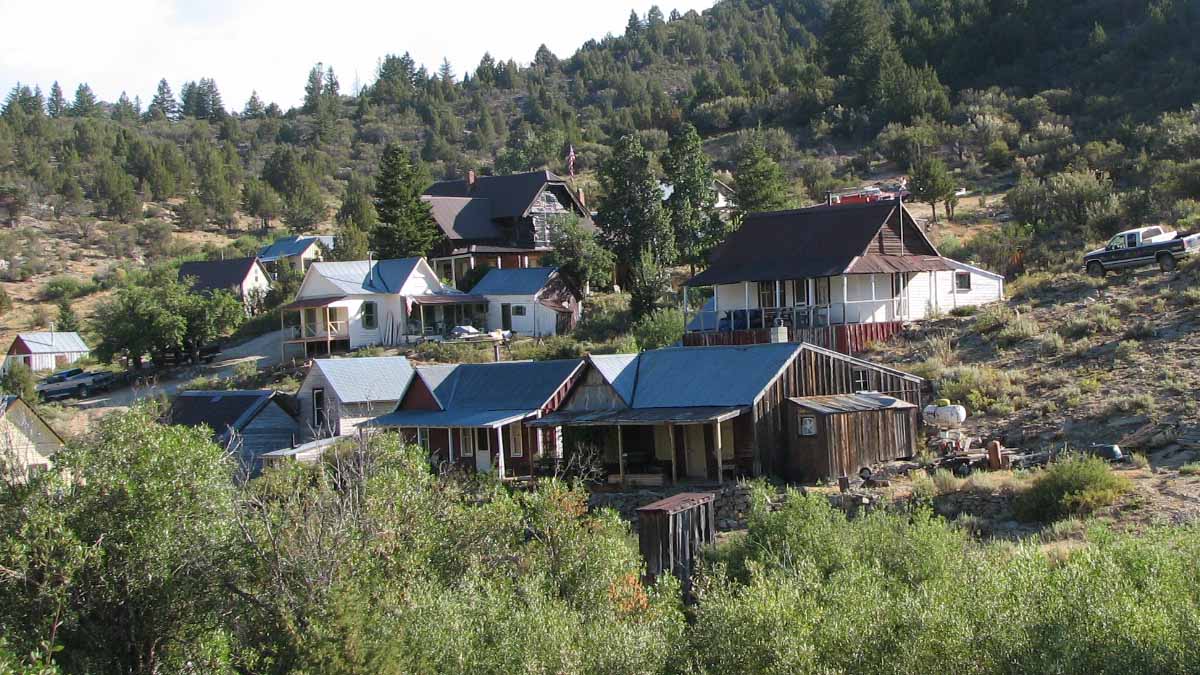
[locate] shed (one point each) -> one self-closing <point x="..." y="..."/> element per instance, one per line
<point x="46" y="350"/>
<point x="833" y="436"/>
<point x="672" y="532"/>
<point x="248" y="422"/>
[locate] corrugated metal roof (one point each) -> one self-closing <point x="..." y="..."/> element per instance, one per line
<point x="850" y="403"/>
<point x="687" y="377"/>
<point x="890" y="264"/>
<point x="508" y="385"/>
<point x="362" y="276"/>
<point x="601" y="418"/>
<point x="680" y="502"/>
<point x="294" y="245"/>
<point x="313" y="302"/>
<point x="57" y="342"/>
<point x="444" y="419"/>
<point x="449" y="299"/>
<point x="616" y="371"/>
<point x="514" y="281"/>
<point x="362" y="380"/>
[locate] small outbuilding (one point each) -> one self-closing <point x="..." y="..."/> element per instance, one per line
<point x="48" y="350"/>
<point x="834" y="436"/>
<point x="672" y="532"/>
<point x="248" y="423"/>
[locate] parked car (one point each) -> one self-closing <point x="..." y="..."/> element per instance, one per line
<point x="1142" y="247"/>
<point x="74" y="383"/>
<point x="177" y="357"/>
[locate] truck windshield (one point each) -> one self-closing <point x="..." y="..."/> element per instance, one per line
<point x="1117" y="242"/>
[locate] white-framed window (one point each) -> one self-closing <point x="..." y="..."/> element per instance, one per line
<point x="318" y="408"/>
<point x="962" y="281"/>
<point x="517" y="440"/>
<point x="862" y="379"/>
<point x="800" y="292"/>
<point x="423" y="437"/>
<point x="808" y="425"/>
<point x="766" y="294"/>
<point x="518" y="310"/>
<point x="467" y="438"/>
<point x="370" y="315"/>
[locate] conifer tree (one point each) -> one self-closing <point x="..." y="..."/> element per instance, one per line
<point x="68" y="321"/>
<point x="85" y="104"/>
<point x="56" y="105"/>
<point x="760" y="182"/>
<point x="163" y="106"/>
<point x="406" y="227"/>
<point x="123" y="110"/>
<point x="313" y="89"/>
<point x="254" y="107"/>
<point x="352" y="242"/>
<point x="931" y="183"/>
<point x="693" y="199"/>
<point x="631" y="215"/>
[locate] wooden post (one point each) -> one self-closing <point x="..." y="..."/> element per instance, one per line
<point x="746" y="288"/>
<point x="620" y="455"/>
<point x="421" y="308"/>
<point x="671" y="438"/>
<point x="685" y="309"/>
<point x="717" y="310"/>
<point x="717" y="444"/>
<point x="450" y="442"/>
<point x="283" y="331"/>
<point x="500" y="451"/>
<point x="328" y="334"/>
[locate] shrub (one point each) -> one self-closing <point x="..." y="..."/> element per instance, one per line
<point x="993" y="317"/>
<point x="1018" y="330"/>
<point x="1130" y="403"/>
<point x="1095" y="320"/>
<point x="1141" y="329"/>
<point x="1190" y="469"/>
<point x="1139" y="460"/>
<point x="965" y="310"/>
<point x="453" y="352"/>
<point x="557" y="347"/>
<point x="605" y="316"/>
<point x="981" y="388"/>
<point x="1074" y="485"/>
<point x="1051" y="344"/>
<point x="662" y="328"/>
<point x="1127" y="348"/>
<point x="66" y="287"/>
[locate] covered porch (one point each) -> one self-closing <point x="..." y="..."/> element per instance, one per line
<point x="496" y="441"/>
<point x="654" y="446"/>
<point x="315" y="325"/>
<point x="435" y="316"/>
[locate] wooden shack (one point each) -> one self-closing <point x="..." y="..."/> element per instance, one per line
<point x="833" y="436"/>
<point x="672" y="532"/>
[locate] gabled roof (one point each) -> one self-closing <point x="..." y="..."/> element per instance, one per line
<point x="221" y="411"/>
<point x="685" y="377"/>
<point x="294" y="245"/>
<point x="510" y="196"/>
<point x="53" y="343"/>
<point x="848" y="403"/>
<point x="615" y="370"/>
<point x="367" y="276"/>
<point x="217" y="275"/>
<point x="9" y="401"/>
<point x="361" y="380"/>
<point x="464" y="217"/>
<point x="514" y="281"/>
<point x="817" y="242"/>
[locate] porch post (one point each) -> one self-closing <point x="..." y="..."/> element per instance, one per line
<point x="671" y="437"/>
<point x="717" y="310"/>
<point x="717" y="444"/>
<point x="746" y="288"/>
<point x="328" y="334"/>
<point x="421" y="308"/>
<point x="845" y="297"/>
<point x="500" y="451"/>
<point x="620" y="455"/>
<point x="283" y="340"/>
<point x="450" y="440"/>
<point x="685" y="309"/>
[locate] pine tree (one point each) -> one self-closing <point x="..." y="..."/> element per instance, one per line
<point x="631" y="214"/>
<point x="313" y="89"/>
<point x="254" y="107"/>
<point x="68" y="321"/>
<point x="352" y="242"/>
<point x="261" y="201"/>
<point x="357" y="206"/>
<point x="56" y="105"/>
<point x="406" y="227"/>
<point x="123" y="110"/>
<point x="163" y="105"/>
<point x="760" y="181"/>
<point x="85" y="104"/>
<point x="693" y="199"/>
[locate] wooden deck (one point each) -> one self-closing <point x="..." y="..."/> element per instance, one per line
<point x="844" y="338"/>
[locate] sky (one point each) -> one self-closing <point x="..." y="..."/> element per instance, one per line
<point x="270" y="45"/>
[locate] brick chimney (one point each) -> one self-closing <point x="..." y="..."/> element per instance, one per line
<point x="470" y="180"/>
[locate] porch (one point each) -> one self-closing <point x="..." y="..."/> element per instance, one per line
<point x="435" y="316"/>
<point x="495" y="441"/>
<point x="315" y="325"/>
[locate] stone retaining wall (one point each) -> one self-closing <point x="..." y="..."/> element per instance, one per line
<point x="732" y="503"/>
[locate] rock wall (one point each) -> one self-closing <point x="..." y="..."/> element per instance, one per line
<point x="732" y="503"/>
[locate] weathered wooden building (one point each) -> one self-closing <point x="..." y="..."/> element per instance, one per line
<point x="673" y="531"/>
<point x="248" y="423"/>
<point x="833" y="436"/>
<point x="708" y="413"/>
<point x="337" y="395"/>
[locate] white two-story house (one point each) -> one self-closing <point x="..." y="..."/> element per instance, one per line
<point x="348" y="305"/>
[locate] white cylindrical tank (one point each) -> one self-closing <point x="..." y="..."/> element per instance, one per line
<point x="945" y="416"/>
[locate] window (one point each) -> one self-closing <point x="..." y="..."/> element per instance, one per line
<point x="517" y="439"/>
<point x="962" y="281"/>
<point x="862" y="379"/>
<point x="808" y="425"/>
<point x="467" y="438"/>
<point x="518" y="310"/>
<point x="370" y="315"/>
<point x="318" y="409"/>
<point x="822" y="285"/>
<point x="423" y="437"/>
<point x="800" y="292"/>
<point x="766" y="294"/>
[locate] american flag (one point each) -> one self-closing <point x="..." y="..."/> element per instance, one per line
<point x="571" y="161"/>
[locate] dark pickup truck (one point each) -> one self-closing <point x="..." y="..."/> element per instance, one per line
<point x="74" y="383"/>
<point x="1139" y="248"/>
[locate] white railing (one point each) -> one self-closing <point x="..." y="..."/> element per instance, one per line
<point x="849" y="312"/>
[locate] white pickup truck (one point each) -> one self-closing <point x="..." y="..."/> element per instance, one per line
<point x="1143" y="246"/>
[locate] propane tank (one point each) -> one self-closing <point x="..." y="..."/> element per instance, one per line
<point x="943" y="415"/>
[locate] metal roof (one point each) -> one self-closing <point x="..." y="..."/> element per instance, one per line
<point x="514" y="281"/>
<point x="850" y="403"/>
<point x="507" y="385"/>
<point x="53" y="343"/>
<point x="680" y="502"/>
<point x="449" y="299"/>
<point x="446" y="419"/>
<point x="367" y="276"/>
<point x="890" y="264"/>
<point x="294" y="245"/>
<point x="366" y="379"/>
<point x="221" y="411"/>
<point x="814" y="242"/>
<point x="637" y="416"/>
<point x="313" y="302"/>
<point x="615" y="370"/>
<point x="688" y="377"/>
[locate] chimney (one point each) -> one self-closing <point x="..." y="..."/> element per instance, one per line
<point x="470" y="180"/>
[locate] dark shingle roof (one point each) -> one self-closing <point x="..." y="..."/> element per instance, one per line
<point x="464" y="217"/>
<point x="513" y="281"/>
<point x="219" y="410"/>
<point x="510" y="195"/>
<point x="814" y="242"/>
<point x="217" y="275"/>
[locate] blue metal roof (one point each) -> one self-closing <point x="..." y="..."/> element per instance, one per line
<point x="367" y="276"/>
<point x="444" y="419"/>
<point x="616" y="371"/>
<point x="360" y="380"/>
<point x="288" y="247"/>
<point x="507" y="385"/>
<point x="514" y="281"/>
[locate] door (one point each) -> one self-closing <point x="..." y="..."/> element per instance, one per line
<point x="483" y="451"/>
<point x="506" y="317"/>
<point x="697" y="460"/>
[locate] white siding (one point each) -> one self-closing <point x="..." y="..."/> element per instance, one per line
<point x="539" y="320"/>
<point x="256" y="283"/>
<point x="38" y="362"/>
<point x="25" y="440"/>
<point x="344" y="419"/>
